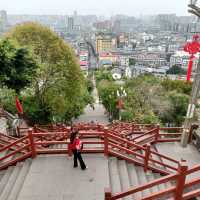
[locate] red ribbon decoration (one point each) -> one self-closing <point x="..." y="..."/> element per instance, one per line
<point x="19" y="106"/>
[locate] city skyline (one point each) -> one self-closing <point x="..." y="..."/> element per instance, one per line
<point x="103" y="7"/>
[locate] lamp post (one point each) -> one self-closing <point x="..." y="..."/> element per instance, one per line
<point x="121" y="93"/>
<point x="194" y="9"/>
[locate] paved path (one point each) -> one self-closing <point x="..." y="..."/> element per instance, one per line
<point x="175" y="151"/>
<point x="53" y="178"/>
<point x="98" y="114"/>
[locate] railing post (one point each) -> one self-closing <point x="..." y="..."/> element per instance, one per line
<point x="108" y="194"/>
<point x="106" y="141"/>
<point x="181" y="180"/>
<point x="157" y="134"/>
<point x="32" y="143"/>
<point x="18" y="131"/>
<point x="35" y="128"/>
<point x="132" y="128"/>
<point x="147" y="155"/>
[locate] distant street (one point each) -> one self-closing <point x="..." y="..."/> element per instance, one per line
<point x="96" y="115"/>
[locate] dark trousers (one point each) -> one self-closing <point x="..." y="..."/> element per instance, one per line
<point x="77" y="156"/>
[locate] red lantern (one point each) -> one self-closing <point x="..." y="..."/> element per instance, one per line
<point x="120" y="104"/>
<point x="192" y="48"/>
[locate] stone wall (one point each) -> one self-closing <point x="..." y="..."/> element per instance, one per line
<point x="3" y="125"/>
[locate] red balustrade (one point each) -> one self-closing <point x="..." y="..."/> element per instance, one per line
<point x="111" y="141"/>
<point x="20" y="152"/>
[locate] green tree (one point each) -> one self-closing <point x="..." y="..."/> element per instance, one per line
<point x="175" y="69"/>
<point x="103" y="75"/>
<point x="178" y="85"/>
<point x="108" y="94"/>
<point x="132" y="61"/>
<point x="90" y="85"/>
<point x="151" y="99"/>
<point x="17" y="66"/>
<point x="7" y="99"/>
<point x="179" y="104"/>
<point x="59" y="85"/>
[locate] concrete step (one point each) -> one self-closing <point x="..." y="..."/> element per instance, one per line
<point x="161" y="186"/>
<point x="114" y="175"/>
<point x="124" y="178"/>
<point x="142" y="180"/>
<point x="133" y="179"/>
<point x="5" y="178"/>
<point x="150" y="177"/>
<point x="11" y="182"/>
<point x="20" y="180"/>
<point x="53" y="177"/>
<point x="2" y="174"/>
<point x="4" y="153"/>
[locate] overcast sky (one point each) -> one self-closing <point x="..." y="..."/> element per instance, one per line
<point x="98" y="7"/>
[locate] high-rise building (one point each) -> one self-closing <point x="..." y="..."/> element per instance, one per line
<point x="70" y="23"/>
<point x="3" y="16"/>
<point x="117" y="26"/>
<point x="75" y="13"/>
<point x="3" y="20"/>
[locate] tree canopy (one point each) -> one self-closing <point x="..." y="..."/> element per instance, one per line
<point x="176" y="69"/>
<point x="59" y="89"/>
<point x="149" y="99"/>
<point x="17" y="66"/>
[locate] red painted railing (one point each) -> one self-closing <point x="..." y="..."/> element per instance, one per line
<point x="6" y="140"/>
<point x="111" y="144"/>
<point x="177" y="192"/>
<point x="131" y="130"/>
<point x="117" y="146"/>
<point x="15" y="152"/>
<point x="170" y="134"/>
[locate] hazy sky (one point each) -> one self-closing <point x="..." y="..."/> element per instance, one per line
<point x="98" y="7"/>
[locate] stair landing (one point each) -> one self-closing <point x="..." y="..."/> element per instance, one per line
<point x="53" y="177"/>
<point x="177" y="152"/>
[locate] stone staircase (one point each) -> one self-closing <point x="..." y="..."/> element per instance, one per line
<point x="12" y="180"/>
<point x="124" y="175"/>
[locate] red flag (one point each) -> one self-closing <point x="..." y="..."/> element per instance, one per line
<point x="19" y="106"/>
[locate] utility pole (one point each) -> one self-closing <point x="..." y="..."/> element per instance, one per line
<point x="194" y="9"/>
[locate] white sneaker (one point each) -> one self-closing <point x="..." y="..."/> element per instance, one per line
<point x="85" y="168"/>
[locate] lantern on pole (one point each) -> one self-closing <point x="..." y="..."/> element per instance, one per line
<point x="120" y="104"/>
<point x="192" y="48"/>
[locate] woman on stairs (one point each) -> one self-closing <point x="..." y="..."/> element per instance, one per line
<point x="76" y="146"/>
